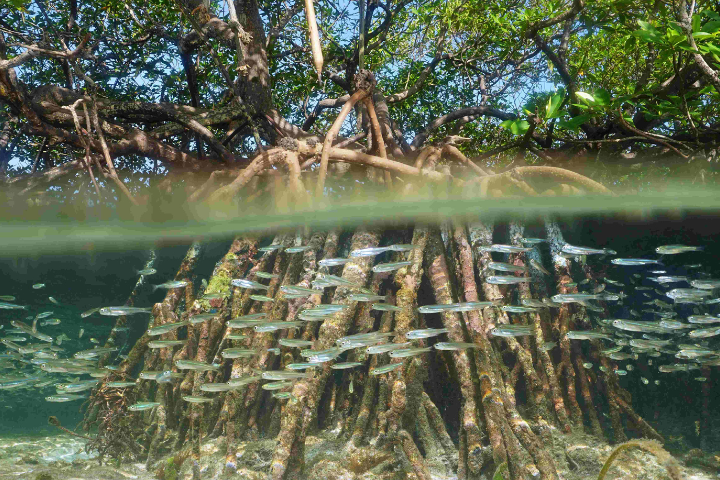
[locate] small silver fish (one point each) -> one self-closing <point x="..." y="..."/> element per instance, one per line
<point x="266" y="275"/>
<point x="270" y="248"/>
<point x="537" y="266"/>
<point x="389" y="267"/>
<point x="506" y="280"/>
<point x="454" y="345"/>
<point x="143" y="406"/>
<point x="53" y="301"/>
<point x="333" y="262"/>
<point x="386" y="307"/>
<point x="425" y="333"/>
<point x="147" y="271"/>
<point x="369" y="252"/>
<point x="297" y="249"/>
<point x="38" y="286"/>
<point x="674" y="249"/>
<point x="118" y="311"/>
<point x="172" y="284"/>
<point x="634" y="261"/>
<point x="250" y="284"/>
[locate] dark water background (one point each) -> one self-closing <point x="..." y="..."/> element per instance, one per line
<point x="94" y="278"/>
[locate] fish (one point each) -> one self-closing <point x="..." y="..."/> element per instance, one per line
<point x="517" y="309"/>
<point x="143" y="406"/>
<point x="454" y="307"/>
<point x="118" y="311"/>
<point x="386" y="348"/>
<point x="166" y="327"/>
<point x="276" y="385"/>
<point x="668" y="279"/>
<point x="285" y="395"/>
<point x="38" y="286"/>
<point x="369" y="252"/>
<point x="385" y="307"/>
<point x="120" y="384"/>
<point x="575" y="250"/>
<point x="639" y="326"/>
<point x="262" y="298"/>
<point x="504" y="249"/>
<point x="547" y="346"/>
<point x="197" y="399"/>
<point x="634" y="261"/>
<point x="273" y="326"/>
<point x="250" y="284"/>
<point x="425" y="333"/>
<point x="587" y="335"/>
<point x="385" y="368"/>
<point x="389" y="267"/>
<point x="454" y="346"/>
<point x="50" y="321"/>
<point x="216" y="387"/>
<point x="506" y="280"/>
<point x="87" y="313"/>
<point x="165" y="343"/>
<point x="7" y="298"/>
<point x="333" y="262"/>
<point x="704" y="319"/>
<point x="587" y="365"/>
<point x="621" y="372"/>
<point x="236" y="336"/>
<point x="323" y="280"/>
<point x="507" y="267"/>
<point x="147" y="271"/>
<point x="270" y="248"/>
<point x="707" y="284"/>
<point x="11" y="306"/>
<point x="301" y="291"/>
<point x="532" y="241"/>
<point x="193" y="365"/>
<point x="172" y="284"/>
<point x="408" y="352"/>
<point x="64" y="398"/>
<point x="283" y="375"/>
<point x="687" y="293"/>
<point x="403" y="247"/>
<point x="537" y="266"/>
<point x="201" y="317"/>
<point x="365" y="297"/>
<point x="297" y="249"/>
<point x="294" y="342"/>
<point x="512" y="331"/>
<point x="580" y="297"/>
<point x="302" y="366"/>
<point x="675" y="249"/>
<point x="275" y="350"/>
<point x="238" y="353"/>
<point x="266" y="275"/>
<point x="704" y="332"/>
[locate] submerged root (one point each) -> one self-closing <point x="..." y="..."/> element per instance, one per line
<point x="650" y="446"/>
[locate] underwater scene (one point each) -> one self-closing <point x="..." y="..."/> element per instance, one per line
<point x="534" y="347"/>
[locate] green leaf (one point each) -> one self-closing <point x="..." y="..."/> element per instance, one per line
<point x="585" y="97"/>
<point x="506" y="124"/>
<point x="702" y="35"/>
<point x="575" y="122"/>
<point x="696" y="23"/>
<point x="645" y="25"/>
<point x="602" y="97"/>
<point x="647" y="36"/>
<point x="711" y="27"/>
<point x="519" y="127"/>
<point x="552" y="109"/>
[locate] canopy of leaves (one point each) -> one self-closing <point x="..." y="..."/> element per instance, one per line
<point x="623" y="91"/>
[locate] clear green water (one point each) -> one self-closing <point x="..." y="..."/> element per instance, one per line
<point x="94" y="264"/>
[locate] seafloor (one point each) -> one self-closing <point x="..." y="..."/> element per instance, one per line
<point x="578" y="456"/>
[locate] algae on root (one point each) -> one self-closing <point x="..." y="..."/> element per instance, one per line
<point x="651" y="446"/>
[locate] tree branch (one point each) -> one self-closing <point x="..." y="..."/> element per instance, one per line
<point x="457" y="114"/>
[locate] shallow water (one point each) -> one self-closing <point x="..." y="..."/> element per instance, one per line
<point x="675" y="404"/>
